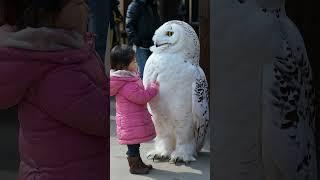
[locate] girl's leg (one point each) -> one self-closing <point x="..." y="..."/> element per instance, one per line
<point x="133" y="150"/>
<point x="142" y="164"/>
<point x="135" y="162"/>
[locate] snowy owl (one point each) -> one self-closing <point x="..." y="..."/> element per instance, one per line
<point x="180" y="111"/>
<point x="264" y="101"/>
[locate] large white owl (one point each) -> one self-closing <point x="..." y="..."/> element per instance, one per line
<point x="180" y="111"/>
<point x="264" y="109"/>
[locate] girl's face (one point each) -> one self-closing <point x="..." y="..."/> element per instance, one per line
<point x="133" y="67"/>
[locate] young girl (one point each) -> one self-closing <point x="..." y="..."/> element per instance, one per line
<point x="134" y="124"/>
<point x="54" y="76"/>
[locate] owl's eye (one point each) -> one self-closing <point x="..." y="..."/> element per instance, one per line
<point x="170" y="33"/>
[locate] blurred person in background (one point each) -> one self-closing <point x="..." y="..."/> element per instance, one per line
<point x="142" y="21"/>
<point x="99" y="23"/>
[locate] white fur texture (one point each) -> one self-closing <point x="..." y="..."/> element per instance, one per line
<point x="258" y="56"/>
<point x="180" y="118"/>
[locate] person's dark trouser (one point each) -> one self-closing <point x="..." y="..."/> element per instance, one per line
<point x="99" y="18"/>
<point x="133" y="150"/>
<point x="142" y="57"/>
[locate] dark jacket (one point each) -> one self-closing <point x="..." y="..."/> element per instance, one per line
<point x="141" y="22"/>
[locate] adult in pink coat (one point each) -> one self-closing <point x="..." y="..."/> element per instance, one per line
<point x="60" y="86"/>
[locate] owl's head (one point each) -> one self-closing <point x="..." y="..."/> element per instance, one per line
<point x="177" y="37"/>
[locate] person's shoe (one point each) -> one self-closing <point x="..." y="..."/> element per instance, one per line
<point x="149" y="166"/>
<point x="136" y="166"/>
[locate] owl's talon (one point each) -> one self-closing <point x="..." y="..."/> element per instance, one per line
<point x="163" y="157"/>
<point x="156" y="156"/>
<point x="176" y="161"/>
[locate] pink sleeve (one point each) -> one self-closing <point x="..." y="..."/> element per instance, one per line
<point x="134" y="93"/>
<point x="15" y="79"/>
<point x="113" y="89"/>
<point x="71" y="97"/>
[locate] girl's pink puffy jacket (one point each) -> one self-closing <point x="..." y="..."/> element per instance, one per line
<point x="134" y="124"/>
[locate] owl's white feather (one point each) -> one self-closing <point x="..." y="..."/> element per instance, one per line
<point x="263" y="94"/>
<point x="200" y="109"/>
<point x="180" y="111"/>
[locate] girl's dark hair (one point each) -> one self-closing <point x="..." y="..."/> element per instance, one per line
<point x="42" y="13"/>
<point x="11" y="11"/>
<point x="121" y="56"/>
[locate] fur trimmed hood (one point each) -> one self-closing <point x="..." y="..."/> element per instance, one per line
<point x="122" y="73"/>
<point x="119" y="78"/>
<point x="41" y="39"/>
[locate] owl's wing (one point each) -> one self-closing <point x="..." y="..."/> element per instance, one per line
<point x="289" y="114"/>
<point x="200" y="107"/>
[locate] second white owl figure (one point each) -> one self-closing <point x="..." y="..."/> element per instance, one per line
<point x="180" y="111"/>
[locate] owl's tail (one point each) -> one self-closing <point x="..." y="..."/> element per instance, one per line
<point x="200" y="134"/>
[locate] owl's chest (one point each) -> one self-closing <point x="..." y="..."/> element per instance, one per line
<point x="168" y="63"/>
<point x="173" y="72"/>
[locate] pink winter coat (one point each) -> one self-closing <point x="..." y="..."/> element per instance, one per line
<point x="60" y="87"/>
<point x="134" y="124"/>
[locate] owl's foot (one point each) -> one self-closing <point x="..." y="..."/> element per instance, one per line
<point x="178" y="160"/>
<point x="157" y="155"/>
<point x="182" y="154"/>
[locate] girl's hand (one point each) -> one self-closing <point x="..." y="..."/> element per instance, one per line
<point x="156" y="82"/>
<point x="155" y="85"/>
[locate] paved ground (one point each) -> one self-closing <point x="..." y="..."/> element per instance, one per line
<point x="199" y="170"/>
<point x="7" y="175"/>
<point x="9" y="158"/>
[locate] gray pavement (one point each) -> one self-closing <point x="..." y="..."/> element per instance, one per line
<point x="9" y="156"/>
<point x="199" y="170"/>
<point x="8" y="175"/>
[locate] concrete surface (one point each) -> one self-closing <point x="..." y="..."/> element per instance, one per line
<point x="8" y="175"/>
<point x="199" y="170"/>
<point x="9" y="156"/>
